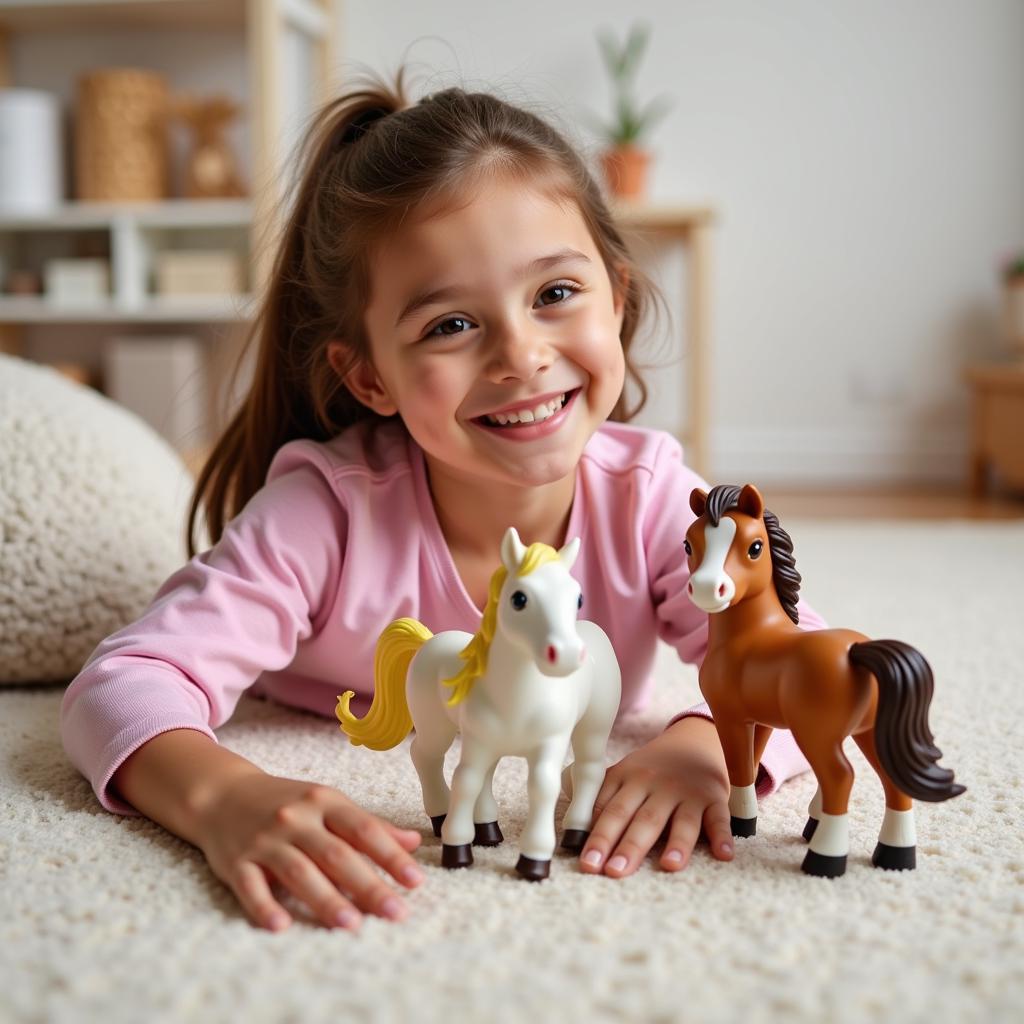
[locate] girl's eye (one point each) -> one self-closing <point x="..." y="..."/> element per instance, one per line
<point x="442" y="329"/>
<point x="554" y="294"/>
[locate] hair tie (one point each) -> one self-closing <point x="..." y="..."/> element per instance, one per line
<point x="360" y="124"/>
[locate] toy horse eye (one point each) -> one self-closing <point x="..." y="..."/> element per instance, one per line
<point x="519" y="600"/>
<point x="755" y="549"/>
<point x="579" y="603"/>
<point x="687" y="548"/>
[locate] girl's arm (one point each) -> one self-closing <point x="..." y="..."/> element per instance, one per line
<point x="253" y="827"/>
<point x="230" y="614"/>
<point x="139" y="719"/>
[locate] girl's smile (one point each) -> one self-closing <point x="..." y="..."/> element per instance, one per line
<point x="528" y="422"/>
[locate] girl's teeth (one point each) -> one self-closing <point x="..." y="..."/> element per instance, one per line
<point x="540" y="413"/>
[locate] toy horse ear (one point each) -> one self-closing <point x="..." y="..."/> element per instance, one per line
<point x="512" y="550"/>
<point x="750" y="502"/>
<point x="567" y="555"/>
<point x="698" y="501"/>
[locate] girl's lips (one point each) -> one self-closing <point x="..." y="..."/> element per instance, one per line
<point x="531" y="431"/>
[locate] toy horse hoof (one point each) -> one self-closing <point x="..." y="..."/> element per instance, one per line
<point x="436" y="822"/>
<point x="574" y="839"/>
<point x="812" y="824"/>
<point x="460" y="856"/>
<point x="822" y="866"/>
<point x="895" y="858"/>
<point x="743" y="827"/>
<point x="487" y="834"/>
<point x="533" y="870"/>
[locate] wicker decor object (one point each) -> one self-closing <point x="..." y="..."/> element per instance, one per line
<point x="121" y="136"/>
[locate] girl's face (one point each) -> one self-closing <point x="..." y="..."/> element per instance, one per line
<point x="494" y="333"/>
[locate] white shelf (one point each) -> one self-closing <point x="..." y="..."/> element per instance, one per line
<point x="31" y="309"/>
<point x="169" y="213"/>
<point x="136" y="233"/>
<point x="47" y="15"/>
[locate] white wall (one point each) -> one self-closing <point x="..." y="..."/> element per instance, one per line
<point x="867" y="160"/>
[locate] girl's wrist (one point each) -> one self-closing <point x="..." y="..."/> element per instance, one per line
<point x="697" y="734"/>
<point x="175" y="777"/>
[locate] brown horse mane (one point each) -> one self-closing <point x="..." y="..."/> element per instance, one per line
<point x="724" y="498"/>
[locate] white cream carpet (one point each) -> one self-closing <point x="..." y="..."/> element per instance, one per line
<point x="111" y="919"/>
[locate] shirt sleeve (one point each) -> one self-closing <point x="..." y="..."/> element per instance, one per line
<point x="680" y="622"/>
<point x="230" y="614"/>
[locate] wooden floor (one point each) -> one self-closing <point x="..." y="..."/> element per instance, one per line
<point x="893" y="503"/>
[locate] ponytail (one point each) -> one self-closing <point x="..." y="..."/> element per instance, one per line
<point x="294" y="393"/>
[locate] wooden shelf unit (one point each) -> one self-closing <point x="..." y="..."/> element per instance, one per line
<point x="270" y="29"/>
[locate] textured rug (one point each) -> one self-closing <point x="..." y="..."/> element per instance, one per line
<point x="111" y="919"/>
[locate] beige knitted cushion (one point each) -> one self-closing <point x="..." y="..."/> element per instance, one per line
<point x="92" y="507"/>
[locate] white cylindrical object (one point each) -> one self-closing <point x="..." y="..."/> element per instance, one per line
<point x="31" y="151"/>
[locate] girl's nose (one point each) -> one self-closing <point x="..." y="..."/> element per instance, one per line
<point x="518" y="353"/>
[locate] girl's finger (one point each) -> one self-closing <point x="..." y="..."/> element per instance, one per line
<point x="302" y="877"/>
<point x="352" y="873"/>
<point x="609" y="787"/>
<point x="642" y="832"/>
<point x="250" y="886"/>
<point x="610" y="822"/>
<point x="718" y="829"/>
<point x="408" y="838"/>
<point x="683" y="832"/>
<point x="371" y="836"/>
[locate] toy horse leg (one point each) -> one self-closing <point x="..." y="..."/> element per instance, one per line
<point x="738" y="747"/>
<point x="429" y="744"/>
<point x="458" y="831"/>
<point x="897" y="840"/>
<point x="830" y="843"/>
<point x="486" y="831"/>
<point x="537" y="842"/>
<point x="813" y="814"/>
<point x="586" y="774"/>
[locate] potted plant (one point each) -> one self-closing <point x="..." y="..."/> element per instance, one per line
<point x="625" y="161"/>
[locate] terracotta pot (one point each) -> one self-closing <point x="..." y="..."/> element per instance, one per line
<point x="625" y="171"/>
<point x="1015" y="315"/>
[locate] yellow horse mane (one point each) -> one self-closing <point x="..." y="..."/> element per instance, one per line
<point x="476" y="651"/>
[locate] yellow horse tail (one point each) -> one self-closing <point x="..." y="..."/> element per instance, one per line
<point x="388" y="721"/>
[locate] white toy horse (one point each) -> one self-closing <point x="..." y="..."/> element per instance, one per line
<point x="531" y="679"/>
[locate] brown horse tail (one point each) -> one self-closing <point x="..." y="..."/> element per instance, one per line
<point x="902" y="736"/>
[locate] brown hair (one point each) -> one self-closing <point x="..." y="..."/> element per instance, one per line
<point x="371" y="158"/>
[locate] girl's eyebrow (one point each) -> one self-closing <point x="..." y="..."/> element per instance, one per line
<point x="415" y="304"/>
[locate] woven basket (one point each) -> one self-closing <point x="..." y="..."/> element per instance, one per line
<point x="121" y="136"/>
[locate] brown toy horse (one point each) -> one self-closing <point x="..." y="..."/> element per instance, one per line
<point x="762" y="671"/>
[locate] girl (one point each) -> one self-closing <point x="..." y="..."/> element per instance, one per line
<point x="442" y="354"/>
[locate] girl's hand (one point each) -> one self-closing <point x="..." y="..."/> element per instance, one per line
<point x="310" y="839"/>
<point x="677" y="782"/>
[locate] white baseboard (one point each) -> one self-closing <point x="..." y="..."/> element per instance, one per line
<point x="838" y="457"/>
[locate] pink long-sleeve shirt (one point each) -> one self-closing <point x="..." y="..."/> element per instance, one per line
<point x="341" y="540"/>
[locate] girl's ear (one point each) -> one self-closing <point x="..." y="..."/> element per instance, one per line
<point x="362" y="379"/>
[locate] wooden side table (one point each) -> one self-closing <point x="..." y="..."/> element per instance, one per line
<point x="997" y="440"/>
<point x="691" y="226"/>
